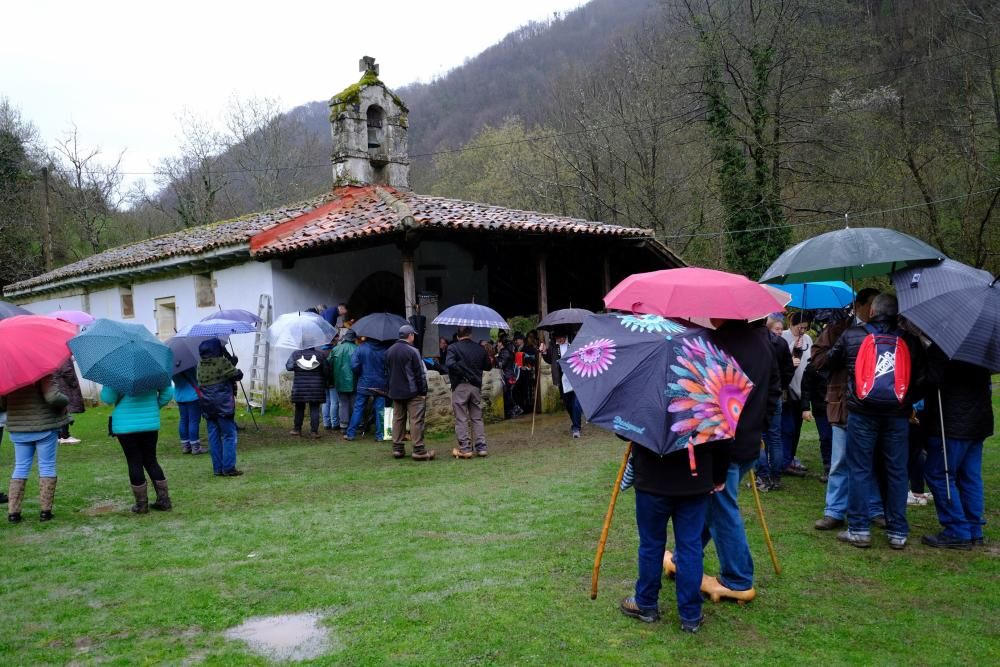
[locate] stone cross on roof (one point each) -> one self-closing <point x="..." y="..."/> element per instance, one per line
<point x="367" y="64"/>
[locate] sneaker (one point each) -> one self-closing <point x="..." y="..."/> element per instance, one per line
<point x="942" y="541"/>
<point x="71" y="441"/>
<point x="762" y="484"/>
<point x="913" y="499"/>
<point x="855" y="539"/>
<point x="774" y="485"/>
<point x="897" y="543"/>
<point x="629" y="607"/>
<point x="828" y="523"/>
<point x="576" y="435"/>
<point x="62" y="441"/>
<point x="692" y="626"/>
<point x="185" y="449"/>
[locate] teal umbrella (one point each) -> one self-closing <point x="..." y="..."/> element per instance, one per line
<point x="125" y="357"/>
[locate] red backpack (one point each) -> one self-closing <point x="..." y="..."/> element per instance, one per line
<point x="882" y="369"/>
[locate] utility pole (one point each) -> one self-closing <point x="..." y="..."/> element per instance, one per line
<point x="46" y="224"/>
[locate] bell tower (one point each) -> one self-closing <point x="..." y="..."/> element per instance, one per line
<point x="369" y="123"/>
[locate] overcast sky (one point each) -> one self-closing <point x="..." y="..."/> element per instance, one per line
<point x="122" y="71"/>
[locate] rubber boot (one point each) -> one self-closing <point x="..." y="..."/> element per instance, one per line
<point x="141" y="499"/>
<point x="423" y="454"/>
<point x="711" y="587"/>
<point x="15" y="495"/>
<point x="162" y="503"/>
<point x="46" y="496"/>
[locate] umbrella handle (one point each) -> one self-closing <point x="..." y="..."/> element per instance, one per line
<point x="607" y="523"/>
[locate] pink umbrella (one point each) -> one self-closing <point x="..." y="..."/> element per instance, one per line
<point x="691" y="293"/>
<point x="31" y="347"/>
<point x="77" y="317"/>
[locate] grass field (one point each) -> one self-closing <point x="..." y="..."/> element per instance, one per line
<point x="450" y="563"/>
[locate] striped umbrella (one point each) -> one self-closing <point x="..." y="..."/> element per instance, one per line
<point x="123" y="356"/>
<point x="237" y="314"/>
<point x="472" y="315"/>
<point x="217" y="327"/>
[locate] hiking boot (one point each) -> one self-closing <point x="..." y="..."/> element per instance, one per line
<point x="692" y="626"/>
<point x="942" y="541"/>
<point x="423" y="454"/>
<point x="232" y="472"/>
<point x="141" y="499"/>
<point x="46" y="496"/>
<point x="880" y="522"/>
<point x="461" y="454"/>
<point x="162" y="503"/>
<point x="828" y="523"/>
<point x="858" y="540"/>
<point x="398" y="451"/>
<point x="794" y="472"/>
<point x="315" y="436"/>
<point x="629" y="607"/>
<point x="897" y="543"/>
<point x="15" y="494"/>
<point x="295" y="434"/>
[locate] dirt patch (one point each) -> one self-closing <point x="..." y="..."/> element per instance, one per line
<point x="102" y="507"/>
<point x="285" y="638"/>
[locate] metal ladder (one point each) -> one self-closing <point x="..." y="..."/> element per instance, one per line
<point x="261" y="355"/>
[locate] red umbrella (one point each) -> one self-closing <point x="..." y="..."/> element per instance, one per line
<point x="31" y="347"/>
<point x="691" y="293"/>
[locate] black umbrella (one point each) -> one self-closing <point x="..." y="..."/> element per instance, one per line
<point x="957" y="306"/>
<point x="849" y="254"/>
<point x="186" y="353"/>
<point x="566" y="317"/>
<point x="10" y="310"/>
<point x="379" y="326"/>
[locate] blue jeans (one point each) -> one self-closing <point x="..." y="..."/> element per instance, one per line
<point x="346" y="408"/>
<point x="26" y="445"/>
<point x="360" y="400"/>
<point x="222" y="443"/>
<point x="724" y="526"/>
<point x="331" y="409"/>
<point x="891" y="434"/>
<point x="190" y="424"/>
<point x="791" y="430"/>
<point x="651" y="515"/>
<point x="839" y="481"/>
<point x="962" y="516"/>
<point x="825" y="430"/>
<point x="575" y="410"/>
<point x="769" y="465"/>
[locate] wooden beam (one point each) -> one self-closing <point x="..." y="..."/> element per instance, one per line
<point x="543" y="285"/>
<point x="607" y="275"/>
<point x="409" y="284"/>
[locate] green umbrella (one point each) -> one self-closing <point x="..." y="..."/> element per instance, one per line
<point x="850" y="254"/>
<point x="125" y="357"/>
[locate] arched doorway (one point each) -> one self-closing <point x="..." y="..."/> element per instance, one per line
<point x="380" y="292"/>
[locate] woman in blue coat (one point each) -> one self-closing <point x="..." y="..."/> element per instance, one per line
<point x="136" y="422"/>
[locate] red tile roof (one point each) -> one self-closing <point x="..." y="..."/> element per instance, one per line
<point x="366" y="211"/>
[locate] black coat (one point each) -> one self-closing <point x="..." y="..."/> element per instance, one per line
<point x="670" y="475"/>
<point x="786" y="367"/>
<point x="844" y="354"/>
<point x="466" y="361"/>
<point x="407" y="375"/>
<point x="965" y="396"/>
<point x="753" y="348"/>
<point x="308" y="386"/>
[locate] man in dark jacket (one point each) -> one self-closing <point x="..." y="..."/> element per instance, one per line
<point x="666" y="489"/>
<point x="217" y="378"/>
<point x="964" y="393"/>
<point x="368" y="364"/>
<point x="408" y="391"/>
<point x="868" y="425"/>
<point x="751" y="346"/>
<point x="772" y="458"/>
<point x="308" y="387"/>
<point x="466" y="361"/>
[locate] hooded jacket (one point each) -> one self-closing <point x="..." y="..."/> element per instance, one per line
<point x="309" y="384"/>
<point x="139" y="413"/>
<point x="836" y="379"/>
<point x="37" y="407"/>
<point x="407" y="375"/>
<point x="368" y="363"/>
<point x="67" y="382"/>
<point x="217" y="377"/>
<point x="340" y="366"/>
<point x="966" y="395"/>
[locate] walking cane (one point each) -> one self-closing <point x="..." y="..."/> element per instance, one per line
<point x="763" y="523"/>
<point x="944" y="449"/>
<point x="534" y="404"/>
<point x="607" y="523"/>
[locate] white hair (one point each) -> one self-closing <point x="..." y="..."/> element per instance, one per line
<point x="885" y="304"/>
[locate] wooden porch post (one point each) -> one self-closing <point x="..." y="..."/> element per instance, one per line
<point x="409" y="284"/>
<point x="607" y="275"/>
<point x="543" y="285"/>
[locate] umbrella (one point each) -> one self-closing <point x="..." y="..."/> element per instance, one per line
<point x="185" y="349"/>
<point x="10" y="310"/>
<point x="77" y="317"/>
<point x="234" y="315"/>
<point x="566" y="317"/>
<point x="297" y="331"/>
<point x="31" y="347"/>
<point x="692" y="293"/>
<point x="216" y="327"/>
<point x="957" y="306"/>
<point x="123" y="356"/>
<point x="379" y="326"/>
<point x="471" y="315"/>
<point x="849" y="254"/>
<point x="819" y="295"/>
<point x="662" y="385"/>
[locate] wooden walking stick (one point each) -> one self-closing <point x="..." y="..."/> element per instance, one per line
<point x="763" y="523"/>
<point x="534" y="404"/>
<point x="607" y="523"/>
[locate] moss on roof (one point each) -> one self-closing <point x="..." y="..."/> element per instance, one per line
<point x="352" y="94"/>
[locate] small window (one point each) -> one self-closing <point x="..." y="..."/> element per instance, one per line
<point x="128" y="307"/>
<point x="166" y="317"/>
<point x="204" y="290"/>
<point x="375" y="118"/>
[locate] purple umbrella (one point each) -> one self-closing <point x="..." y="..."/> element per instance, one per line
<point x="186" y="353"/>
<point x="212" y="328"/>
<point x="77" y="317"/>
<point x="234" y="315"/>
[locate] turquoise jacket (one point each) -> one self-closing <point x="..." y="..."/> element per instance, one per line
<point x="184" y="391"/>
<point x="136" y="414"/>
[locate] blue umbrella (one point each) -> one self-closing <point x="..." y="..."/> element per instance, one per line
<point x="472" y="315"/>
<point x="819" y="295"/>
<point x="215" y="327"/>
<point x="125" y="357"/>
<point x="234" y="314"/>
<point x="659" y="383"/>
